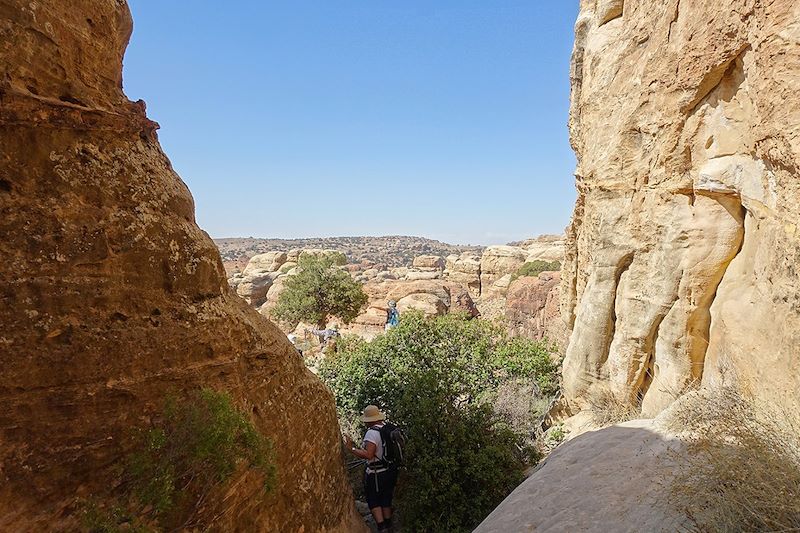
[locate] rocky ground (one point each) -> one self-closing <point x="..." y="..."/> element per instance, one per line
<point x="391" y="251"/>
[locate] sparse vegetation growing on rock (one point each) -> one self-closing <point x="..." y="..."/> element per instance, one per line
<point x="534" y="268"/>
<point x="198" y="445"/>
<point x="741" y="468"/>
<point x="319" y="291"/>
<point x="439" y="378"/>
<point x="607" y="409"/>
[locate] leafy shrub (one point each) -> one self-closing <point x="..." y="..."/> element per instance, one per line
<point x="534" y="268"/>
<point x="438" y="378"/>
<point x="741" y="466"/>
<point x="319" y="291"/>
<point x="336" y="257"/>
<point x="201" y="441"/>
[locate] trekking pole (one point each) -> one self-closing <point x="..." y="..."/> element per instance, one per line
<point x="354" y="464"/>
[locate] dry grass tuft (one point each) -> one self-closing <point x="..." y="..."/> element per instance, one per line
<point x="606" y="409"/>
<point x="741" y="465"/>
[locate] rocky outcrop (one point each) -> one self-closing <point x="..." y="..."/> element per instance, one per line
<point x="112" y="297"/>
<point x="532" y="306"/>
<point x="548" y="248"/>
<point x="465" y="269"/>
<point x="270" y="262"/>
<point x="429" y="262"/>
<point x="598" y="482"/>
<point x="682" y="252"/>
<point x="431" y="297"/>
<point x="498" y="263"/>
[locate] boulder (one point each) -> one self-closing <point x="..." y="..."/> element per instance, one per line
<point x="253" y="286"/>
<point x="620" y="463"/>
<point x="293" y="255"/>
<point x="428" y="262"/>
<point x="461" y="300"/>
<point x="547" y="248"/>
<point x="269" y="262"/>
<point x="385" y="276"/>
<point x="429" y="304"/>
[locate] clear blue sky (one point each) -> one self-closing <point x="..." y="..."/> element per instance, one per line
<point x="304" y="118"/>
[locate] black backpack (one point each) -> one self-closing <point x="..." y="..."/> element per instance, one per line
<point x="394" y="443"/>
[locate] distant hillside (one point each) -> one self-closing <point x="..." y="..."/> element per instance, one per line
<point x="392" y="251"/>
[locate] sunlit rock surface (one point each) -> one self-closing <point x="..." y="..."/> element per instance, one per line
<point x="111" y="297"/>
<point x="683" y="249"/>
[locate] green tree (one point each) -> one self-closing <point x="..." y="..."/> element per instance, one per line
<point x="534" y="268"/>
<point x="320" y="291"/>
<point x="438" y="378"/>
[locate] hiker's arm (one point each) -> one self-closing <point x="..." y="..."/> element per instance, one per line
<point x="367" y="453"/>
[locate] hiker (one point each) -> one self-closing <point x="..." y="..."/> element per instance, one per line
<point x="392" y="316"/>
<point x="325" y="335"/>
<point x="381" y="474"/>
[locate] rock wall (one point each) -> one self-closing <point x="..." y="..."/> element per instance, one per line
<point x="532" y="308"/>
<point x="683" y="249"/>
<point x="111" y="296"/>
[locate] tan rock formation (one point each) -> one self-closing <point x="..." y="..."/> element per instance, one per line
<point x="499" y="261"/>
<point x="416" y="275"/>
<point x="254" y="285"/>
<point x="112" y="297"/>
<point x="466" y="270"/>
<point x="532" y="305"/>
<point x="546" y="249"/>
<point x="270" y="262"/>
<point x="433" y="298"/>
<point x="432" y="262"/>
<point x="682" y="253"/>
<point x="598" y="482"/>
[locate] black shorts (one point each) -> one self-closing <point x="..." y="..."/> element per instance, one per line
<point x="379" y="488"/>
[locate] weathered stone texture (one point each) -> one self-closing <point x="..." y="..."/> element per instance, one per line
<point x="683" y="249"/>
<point x="111" y="297"/>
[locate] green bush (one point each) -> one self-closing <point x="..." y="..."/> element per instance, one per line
<point x="197" y="446"/>
<point x="534" y="268"/>
<point x="438" y="378"/>
<point x="320" y="290"/>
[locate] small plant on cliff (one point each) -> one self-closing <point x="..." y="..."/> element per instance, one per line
<point x="318" y="292"/>
<point x="439" y="378"/>
<point x="179" y="462"/>
<point x="741" y="466"/>
<point x="534" y="268"/>
<point x="606" y="408"/>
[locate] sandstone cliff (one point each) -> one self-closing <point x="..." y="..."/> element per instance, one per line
<point x="683" y="249"/>
<point x="112" y="296"/>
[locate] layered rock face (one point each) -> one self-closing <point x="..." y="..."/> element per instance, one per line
<point x="532" y="308"/>
<point x="112" y="297"/>
<point x="683" y="250"/>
